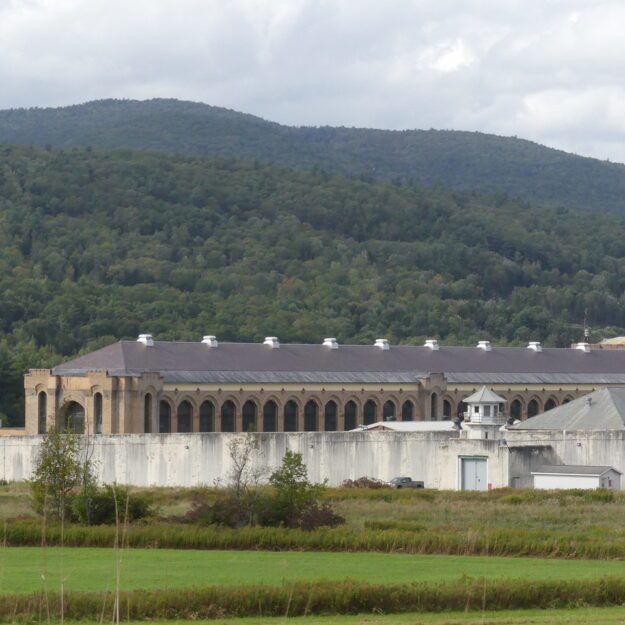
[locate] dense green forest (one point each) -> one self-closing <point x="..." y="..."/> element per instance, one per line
<point x="96" y="246"/>
<point x="467" y="161"/>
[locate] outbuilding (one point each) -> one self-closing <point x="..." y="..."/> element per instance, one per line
<point x="566" y="476"/>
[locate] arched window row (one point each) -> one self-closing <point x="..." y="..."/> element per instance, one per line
<point x="315" y="416"/>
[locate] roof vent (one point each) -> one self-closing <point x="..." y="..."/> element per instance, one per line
<point x="432" y="344"/>
<point x="583" y="347"/>
<point x="272" y="341"/>
<point x="146" y="339"/>
<point x="331" y="343"/>
<point x="382" y="344"/>
<point x="485" y="345"/>
<point x="535" y="346"/>
<point x="210" y="340"/>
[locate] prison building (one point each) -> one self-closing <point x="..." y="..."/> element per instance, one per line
<point x="148" y="386"/>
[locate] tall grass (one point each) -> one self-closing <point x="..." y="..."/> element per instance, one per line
<point x="388" y="537"/>
<point x="320" y="598"/>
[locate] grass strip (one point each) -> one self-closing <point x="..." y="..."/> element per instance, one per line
<point x="486" y="541"/>
<point x="319" y="598"/>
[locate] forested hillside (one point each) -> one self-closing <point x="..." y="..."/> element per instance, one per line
<point x="462" y="160"/>
<point x="96" y="246"/>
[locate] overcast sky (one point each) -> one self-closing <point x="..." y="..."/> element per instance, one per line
<point x="548" y="70"/>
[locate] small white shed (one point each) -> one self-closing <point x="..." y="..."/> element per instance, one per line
<point x="558" y="477"/>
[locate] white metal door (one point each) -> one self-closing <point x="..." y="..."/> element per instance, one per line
<point x="473" y="473"/>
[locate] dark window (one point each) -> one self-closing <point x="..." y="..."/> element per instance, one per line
<point x="270" y="416"/>
<point x="185" y="416"/>
<point x="290" y="416"/>
<point x="42" y="426"/>
<point x="462" y="408"/>
<point x="446" y="409"/>
<point x="227" y="416"/>
<point x="351" y="410"/>
<point x="516" y="410"/>
<point x="330" y="416"/>
<point x="532" y="408"/>
<point x="407" y="411"/>
<point x="249" y="416"/>
<point x="97" y="412"/>
<point x="388" y="411"/>
<point x="164" y="417"/>
<point x="75" y="419"/>
<point x="310" y="416"/>
<point x="550" y="404"/>
<point x="370" y="412"/>
<point x="207" y="417"/>
<point x="434" y="407"/>
<point x="147" y="413"/>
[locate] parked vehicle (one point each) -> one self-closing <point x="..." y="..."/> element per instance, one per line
<point x="405" y="482"/>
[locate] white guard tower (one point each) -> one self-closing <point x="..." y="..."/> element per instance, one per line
<point x="484" y="416"/>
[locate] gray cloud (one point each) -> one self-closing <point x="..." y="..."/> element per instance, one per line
<point x="550" y="71"/>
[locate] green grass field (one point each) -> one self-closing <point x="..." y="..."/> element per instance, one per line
<point x="22" y="568"/>
<point x="578" y="616"/>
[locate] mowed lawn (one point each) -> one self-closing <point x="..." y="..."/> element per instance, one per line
<point x="23" y="569"/>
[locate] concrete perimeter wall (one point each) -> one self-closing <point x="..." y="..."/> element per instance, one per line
<point x="191" y="459"/>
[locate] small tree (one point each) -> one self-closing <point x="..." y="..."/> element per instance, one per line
<point x="60" y="471"/>
<point x="294" y="491"/>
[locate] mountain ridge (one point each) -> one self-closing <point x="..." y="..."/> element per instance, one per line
<point x="459" y="159"/>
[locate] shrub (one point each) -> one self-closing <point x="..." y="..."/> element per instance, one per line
<point x="110" y="504"/>
<point x="227" y="510"/>
<point x="364" y="482"/>
<point x="319" y="515"/>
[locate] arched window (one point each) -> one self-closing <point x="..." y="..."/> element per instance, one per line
<point x="566" y="400"/>
<point x="75" y="417"/>
<point x="147" y="413"/>
<point x="550" y="404"/>
<point x="434" y="407"/>
<point x="532" y="408"/>
<point x="388" y="411"/>
<point x="462" y="408"/>
<point x="185" y="416"/>
<point x="228" y="411"/>
<point x="290" y="416"/>
<point x="407" y="411"/>
<point x="249" y="416"/>
<point x="330" y="413"/>
<point x="164" y="417"/>
<point x="516" y="410"/>
<point x="446" y="409"/>
<point x="370" y="412"/>
<point x="351" y="410"/>
<point x="42" y="413"/>
<point x="270" y="416"/>
<point x="207" y="416"/>
<point x="311" y="412"/>
<point x="97" y="412"/>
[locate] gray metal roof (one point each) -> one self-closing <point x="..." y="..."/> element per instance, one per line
<point x="572" y="469"/>
<point x="603" y="409"/>
<point x="254" y="362"/>
<point x="484" y="396"/>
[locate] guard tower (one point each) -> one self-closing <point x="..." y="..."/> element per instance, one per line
<point x="484" y="415"/>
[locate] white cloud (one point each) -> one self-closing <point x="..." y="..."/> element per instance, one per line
<point x="549" y="71"/>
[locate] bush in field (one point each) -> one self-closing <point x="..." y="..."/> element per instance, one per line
<point x="319" y="515"/>
<point x="110" y="504"/>
<point x="228" y="510"/>
<point x="364" y="482"/>
<point x="62" y="469"/>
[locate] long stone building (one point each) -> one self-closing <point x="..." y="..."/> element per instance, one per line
<point x="148" y="386"/>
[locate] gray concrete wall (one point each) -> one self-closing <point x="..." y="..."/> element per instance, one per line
<point x="191" y="459"/>
<point x="434" y="457"/>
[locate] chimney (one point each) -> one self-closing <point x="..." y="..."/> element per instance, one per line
<point x="382" y="344"/>
<point x="146" y="339"/>
<point x="535" y="346"/>
<point x="583" y="347"/>
<point x="484" y="345"/>
<point x="331" y="343"/>
<point x="432" y="344"/>
<point x="272" y="341"/>
<point x="210" y="341"/>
